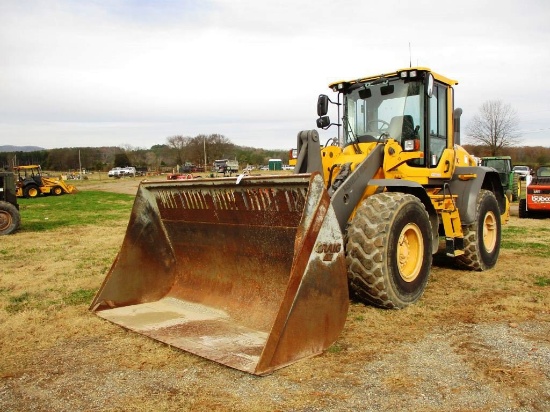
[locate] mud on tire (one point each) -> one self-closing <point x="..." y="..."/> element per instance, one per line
<point x="482" y="237"/>
<point x="389" y="250"/>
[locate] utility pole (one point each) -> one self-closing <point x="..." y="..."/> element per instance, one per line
<point x="204" y="146"/>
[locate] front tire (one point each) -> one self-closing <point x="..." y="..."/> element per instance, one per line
<point x="389" y="250"/>
<point x="57" y="191"/>
<point x="482" y="238"/>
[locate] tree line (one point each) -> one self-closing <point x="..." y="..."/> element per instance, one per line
<point x="178" y="150"/>
<point x="532" y="156"/>
<point x="493" y="131"/>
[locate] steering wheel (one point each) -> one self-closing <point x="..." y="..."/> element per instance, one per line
<point x="385" y="125"/>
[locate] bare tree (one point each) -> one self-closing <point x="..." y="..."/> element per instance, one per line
<point x="179" y="143"/>
<point x="496" y="126"/>
<point x="220" y="147"/>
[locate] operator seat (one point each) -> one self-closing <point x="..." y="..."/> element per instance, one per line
<point x="401" y="128"/>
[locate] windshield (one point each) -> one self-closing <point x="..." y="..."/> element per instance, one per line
<point x="498" y="164"/>
<point x="393" y="108"/>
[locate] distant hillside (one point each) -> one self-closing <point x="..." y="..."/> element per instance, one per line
<point x="9" y="148"/>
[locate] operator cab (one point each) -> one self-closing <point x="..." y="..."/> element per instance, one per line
<point x="409" y="106"/>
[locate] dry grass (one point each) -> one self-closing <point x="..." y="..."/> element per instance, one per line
<point x="476" y="341"/>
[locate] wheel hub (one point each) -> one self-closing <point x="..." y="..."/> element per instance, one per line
<point x="410" y="252"/>
<point x="489" y="232"/>
<point x="5" y="220"/>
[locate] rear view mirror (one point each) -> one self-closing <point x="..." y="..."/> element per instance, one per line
<point x="385" y="90"/>
<point x="323" y="122"/>
<point x="322" y="105"/>
<point x="365" y="93"/>
<point x="429" y="85"/>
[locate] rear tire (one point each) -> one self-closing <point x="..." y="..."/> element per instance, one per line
<point x="389" y="250"/>
<point x="31" y="191"/>
<point x="482" y="238"/>
<point x="9" y="218"/>
<point x="516" y="187"/>
<point x="522" y="209"/>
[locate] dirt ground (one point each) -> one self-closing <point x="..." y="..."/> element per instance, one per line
<point x="475" y="341"/>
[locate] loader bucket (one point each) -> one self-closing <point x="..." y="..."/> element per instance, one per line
<point x="249" y="273"/>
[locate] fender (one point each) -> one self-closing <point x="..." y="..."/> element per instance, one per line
<point x="416" y="189"/>
<point x="467" y="190"/>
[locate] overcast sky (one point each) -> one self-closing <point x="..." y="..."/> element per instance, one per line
<point x="76" y="73"/>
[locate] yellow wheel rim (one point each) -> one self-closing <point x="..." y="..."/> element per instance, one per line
<point x="410" y="252"/>
<point x="33" y="192"/>
<point x="489" y="231"/>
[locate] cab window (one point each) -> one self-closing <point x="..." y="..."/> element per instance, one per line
<point x="438" y="124"/>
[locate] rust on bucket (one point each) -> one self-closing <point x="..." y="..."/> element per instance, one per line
<point x="250" y="275"/>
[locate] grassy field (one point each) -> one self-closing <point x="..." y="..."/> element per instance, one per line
<point x="475" y="341"/>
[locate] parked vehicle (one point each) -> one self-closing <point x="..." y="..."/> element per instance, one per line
<point x="537" y="195"/>
<point x="10" y="218"/>
<point x="31" y="183"/>
<point x="114" y="172"/>
<point x="509" y="179"/>
<point x="225" y="166"/>
<point x="522" y="171"/>
<point x="118" y="172"/>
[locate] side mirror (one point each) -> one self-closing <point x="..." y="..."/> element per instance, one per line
<point x="322" y="105"/>
<point x="429" y="85"/>
<point x="323" y="122"/>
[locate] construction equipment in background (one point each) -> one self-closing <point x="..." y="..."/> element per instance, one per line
<point x="522" y="171"/>
<point x="253" y="272"/>
<point x="32" y="183"/>
<point x="537" y="195"/>
<point x="226" y="166"/>
<point x="510" y="180"/>
<point x="10" y="218"/>
<point x="292" y="157"/>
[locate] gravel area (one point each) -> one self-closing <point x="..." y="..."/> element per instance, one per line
<point x="483" y="367"/>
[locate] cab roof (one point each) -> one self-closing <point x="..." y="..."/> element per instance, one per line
<point x="438" y="77"/>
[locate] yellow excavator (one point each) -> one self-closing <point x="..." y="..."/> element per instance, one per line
<point x="31" y="183"/>
<point x="255" y="272"/>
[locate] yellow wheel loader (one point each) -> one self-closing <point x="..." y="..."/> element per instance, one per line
<point x="253" y="272"/>
<point x="32" y="183"/>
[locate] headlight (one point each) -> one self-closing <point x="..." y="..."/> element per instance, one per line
<point x="408" y="145"/>
<point x="411" y="145"/>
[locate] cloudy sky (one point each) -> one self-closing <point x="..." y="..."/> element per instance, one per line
<point x="77" y="73"/>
